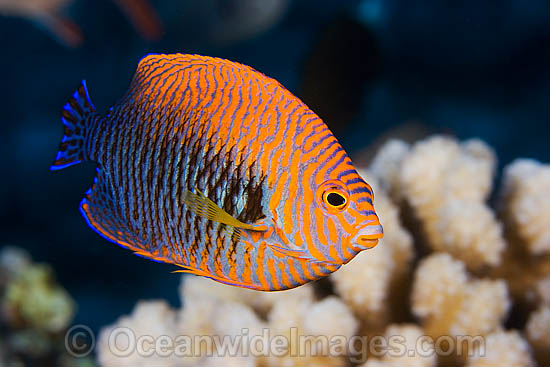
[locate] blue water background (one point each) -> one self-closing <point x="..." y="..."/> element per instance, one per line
<point x="472" y="70"/>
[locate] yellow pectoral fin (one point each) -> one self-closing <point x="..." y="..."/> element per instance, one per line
<point x="199" y="204"/>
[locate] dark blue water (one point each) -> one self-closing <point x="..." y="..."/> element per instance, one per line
<point x="469" y="70"/>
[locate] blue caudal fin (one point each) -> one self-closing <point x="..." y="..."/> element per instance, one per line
<point x="77" y="116"/>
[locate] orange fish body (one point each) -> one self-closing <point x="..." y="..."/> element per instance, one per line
<point x="210" y="165"/>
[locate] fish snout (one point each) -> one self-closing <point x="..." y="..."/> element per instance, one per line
<point x="368" y="237"/>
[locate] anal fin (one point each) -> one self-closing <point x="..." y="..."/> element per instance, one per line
<point x="103" y="214"/>
<point x="220" y="279"/>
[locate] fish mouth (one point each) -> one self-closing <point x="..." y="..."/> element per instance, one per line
<point x="367" y="237"/>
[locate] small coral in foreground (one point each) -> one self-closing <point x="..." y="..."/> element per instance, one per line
<point x="35" y="300"/>
<point x="31" y="297"/>
<point x="35" y="312"/>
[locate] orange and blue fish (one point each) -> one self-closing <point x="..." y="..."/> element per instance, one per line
<point x="210" y="165"/>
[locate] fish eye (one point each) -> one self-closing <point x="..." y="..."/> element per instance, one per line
<point x="333" y="196"/>
<point x="334" y="199"/>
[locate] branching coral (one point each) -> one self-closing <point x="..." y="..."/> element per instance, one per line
<point x="387" y="165"/>
<point x="35" y="299"/>
<point x="538" y="332"/>
<point x="522" y="272"/>
<point x="35" y="312"/>
<point x="402" y="351"/>
<point x="525" y="208"/>
<point x="525" y="190"/>
<point x="441" y="167"/>
<point x="538" y="324"/>
<point x="447" y="183"/>
<point x="444" y="184"/>
<point x="149" y="319"/>
<point x="502" y="349"/>
<point x="439" y="279"/>
<point x="364" y="283"/>
<point x="32" y="298"/>
<point x="213" y="312"/>
<point x="309" y="328"/>
<point x="450" y="303"/>
<point x="542" y="289"/>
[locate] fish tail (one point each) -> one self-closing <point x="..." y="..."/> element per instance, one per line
<point x="77" y="116"/>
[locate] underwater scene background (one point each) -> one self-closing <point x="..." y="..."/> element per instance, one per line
<point x="431" y="74"/>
